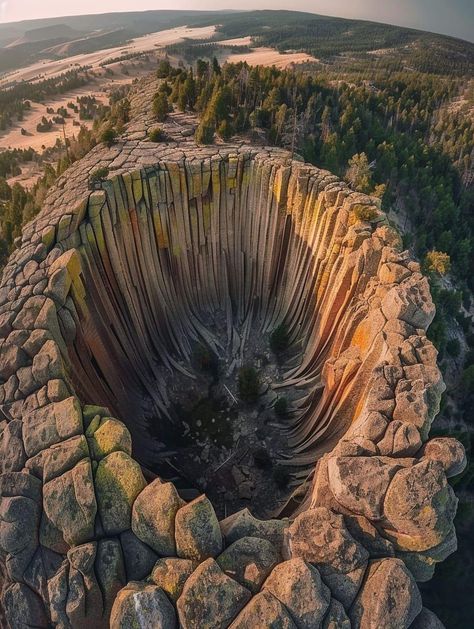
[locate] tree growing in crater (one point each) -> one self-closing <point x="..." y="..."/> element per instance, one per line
<point x="249" y="384"/>
<point x="279" y="339"/>
<point x="281" y="407"/>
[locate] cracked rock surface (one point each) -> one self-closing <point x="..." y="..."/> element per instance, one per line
<point x="107" y="288"/>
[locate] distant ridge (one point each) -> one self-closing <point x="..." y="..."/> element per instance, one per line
<point x="46" y="33"/>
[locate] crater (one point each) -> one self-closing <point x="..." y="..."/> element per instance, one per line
<point x="205" y="278"/>
<point x="254" y="324"/>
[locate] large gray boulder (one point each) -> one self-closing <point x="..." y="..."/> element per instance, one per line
<point x="142" y="606"/>
<point x="153" y="516"/>
<point x="299" y="587"/>
<point x="249" y="561"/>
<point x="264" y="610"/>
<point x="197" y="531"/>
<point x="389" y="597"/>
<point x="210" y="599"/>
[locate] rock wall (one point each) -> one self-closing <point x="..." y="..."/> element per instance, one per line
<point x="107" y="285"/>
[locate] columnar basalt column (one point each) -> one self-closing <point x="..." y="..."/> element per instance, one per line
<point x="107" y="289"/>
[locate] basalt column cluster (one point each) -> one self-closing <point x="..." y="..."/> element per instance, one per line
<point x="111" y="288"/>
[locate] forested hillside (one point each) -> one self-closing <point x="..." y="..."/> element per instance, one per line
<point x="354" y="44"/>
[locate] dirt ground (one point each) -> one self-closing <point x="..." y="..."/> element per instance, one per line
<point x="270" y="57"/>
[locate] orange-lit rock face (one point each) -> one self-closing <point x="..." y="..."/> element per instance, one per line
<point x="107" y="296"/>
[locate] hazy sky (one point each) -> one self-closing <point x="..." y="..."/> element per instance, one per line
<point x="453" y="17"/>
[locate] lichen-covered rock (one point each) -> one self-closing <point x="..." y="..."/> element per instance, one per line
<point x="319" y="536"/>
<point x="139" y="558"/>
<point x="264" y="610"/>
<point x="449" y="452"/>
<point x="171" y="574"/>
<point x="108" y="435"/>
<point x="299" y="587"/>
<point x="244" y="524"/>
<point x="249" y="560"/>
<point x="420" y="506"/>
<point x="364" y="532"/>
<point x="24" y="608"/>
<point x="70" y="504"/>
<point x="210" y="599"/>
<point x="336" y="617"/>
<point x="197" y="531"/>
<point x="110" y="571"/>
<point x="360" y="483"/>
<point x="118" y="481"/>
<point x="51" y="424"/>
<point x="388" y="598"/>
<point x="141" y="606"/>
<point x="153" y="516"/>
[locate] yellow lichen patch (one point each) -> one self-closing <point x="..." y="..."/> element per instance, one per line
<point x="118" y="482"/>
<point x="110" y="436"/>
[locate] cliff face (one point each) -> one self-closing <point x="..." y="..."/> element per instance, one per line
<point x="110" y="288"/>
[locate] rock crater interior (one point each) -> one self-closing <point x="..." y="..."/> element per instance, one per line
<point x="216" y="255"/>
<point x="126" y="314"/>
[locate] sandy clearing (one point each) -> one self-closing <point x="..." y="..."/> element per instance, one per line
<point x="13" y="138"/>
<point x="51" y="68"/>
<point x="100" y="87"/>
<point x="270" y="57"/>
<point x="237" y="41"/>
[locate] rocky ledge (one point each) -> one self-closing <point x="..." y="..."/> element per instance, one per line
<point x="108" y="286"/>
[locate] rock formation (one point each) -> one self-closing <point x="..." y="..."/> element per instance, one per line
<point x="108" y="289"/>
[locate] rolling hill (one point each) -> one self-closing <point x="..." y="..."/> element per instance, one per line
<point x="338" y="41"/>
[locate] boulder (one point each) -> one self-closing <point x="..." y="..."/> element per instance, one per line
<point x="210" y="599"/>
<point x="319" y="536"/>
<point x="244" y="524"/>
<point x="264" y="610"/>
<point x="299" y="587"/>
<point x="23" y="608"/>
<point x="70" y="504"/>
<point x="139" y="559"/>
<point x="118" y="481"/>
<point x="109" y="436"/>
<point x="171" y="574"/>
<point x="197" y="532"/>
<point x="142" y="606"/>
<point x="336" y="617"/>
<point x="153" y="516"/>
<point x="449" y="452"/>
<point x="360" y="483"/>
<point x="249" y="561"/>
<point x="400" y="439"/>
<point x="419" y="506"/>
<point x="389" y="597"/>
<point x="110" y="572"/>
